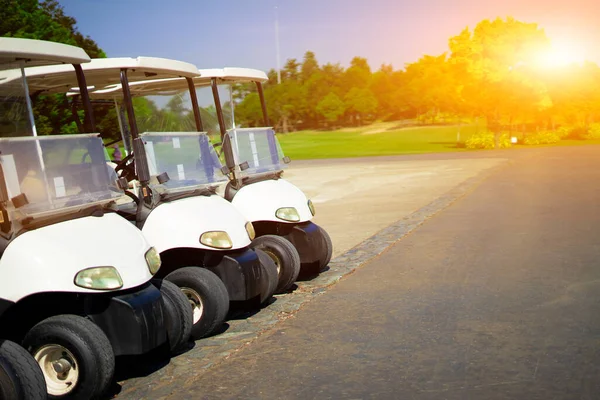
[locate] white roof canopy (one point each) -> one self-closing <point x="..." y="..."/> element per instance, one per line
<point x="238" y="75"/>
<point x="174" y="85"/>
<point x="101" y="72"/>
<point x="39" y="52"/>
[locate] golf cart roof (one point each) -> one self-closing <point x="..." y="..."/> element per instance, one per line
<point x="39" y="52"/>
<point x="173" y="85"/>
<point x="238" y="75"/>
<point x="101" y="72"/>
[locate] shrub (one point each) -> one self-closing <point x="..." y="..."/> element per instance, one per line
<point x="593" y="132"/>
<point x="577" y="133"/>
<point x="564" y="131"/>
<point x="485" y="140"/>
<point x="542" y="137"/>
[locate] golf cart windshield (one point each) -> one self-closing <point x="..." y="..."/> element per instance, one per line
<point x="15" y="117"/>
<point x="188" y="158"/>
<point x="55" y="173"/>
<point x="258" y="147"/>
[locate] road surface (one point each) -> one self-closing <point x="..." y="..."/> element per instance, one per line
<point x="496" y="297"/>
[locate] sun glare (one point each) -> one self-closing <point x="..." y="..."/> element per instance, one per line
<point x="562" y="54"/>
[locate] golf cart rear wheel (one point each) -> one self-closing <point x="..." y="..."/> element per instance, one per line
<point x="285" y="256"/>
<point x="179" y="318"/>
<point x="20" y="376"/>
<point x="329" y="250"/>
<point x="207" y="296"/>
<point x="268" y="268"/>
<point x="75" y="356"/>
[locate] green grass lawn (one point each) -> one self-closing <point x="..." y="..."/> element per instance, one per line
<point x="386" y="138"/>
<point x="380" y="139"/>
<point x="374" y="140"/>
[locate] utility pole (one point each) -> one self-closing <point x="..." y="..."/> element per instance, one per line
<point x="277" y="45"/>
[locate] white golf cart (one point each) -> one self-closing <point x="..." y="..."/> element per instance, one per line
<point x="175" y="204"/>
<point x="280" y="250"/>
<point x="275" y="206"/>
<point x="76" y="284"/>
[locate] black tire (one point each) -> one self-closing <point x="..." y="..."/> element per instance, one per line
<point x="20" y="376"/>
<point x="204" y="289"/>
<point x="329" y="250"/>
<point x="88" y="346"/>
<point x="285" y="256"/>
<point x="178" y="315"/>
<point x="270" y="270"/>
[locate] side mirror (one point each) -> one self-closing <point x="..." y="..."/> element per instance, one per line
<point x="244" y="166"/>
<point x="287" y="160"/>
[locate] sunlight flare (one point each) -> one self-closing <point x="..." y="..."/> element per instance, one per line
<point x="561" y="54"/>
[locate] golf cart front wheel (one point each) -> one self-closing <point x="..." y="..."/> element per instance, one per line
<point x="284" y="255"/>
<point x="20" y="376"/>
<point x="269" y="269"/>
<point x="326" y="258"/>
<point x="178" y="315"/>
<point x="74" y="354"/>
<point x="207" y="296"/>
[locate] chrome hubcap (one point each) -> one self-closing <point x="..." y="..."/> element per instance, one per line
<point x="196" y="302"/>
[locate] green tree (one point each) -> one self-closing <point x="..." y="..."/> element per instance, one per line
<point x="488" y="59"/>
<point x="46" y="21"/>
<point x="361" y="103"/>
<point x="327" y="80"/>
<point x="358" y="74"/>
<point x="285" y="104"/>
<point x="248" y="112"/>
<point x="331" y="107"/>
<point x="309" y="67"/>
<point x="431" y="87"/>
<point x="290" y="70"/>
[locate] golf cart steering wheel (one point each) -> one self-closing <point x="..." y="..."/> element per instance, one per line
<point x="127" y="168"/>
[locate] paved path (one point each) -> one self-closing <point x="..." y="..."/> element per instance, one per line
<point x="409" y="204"/>
<point x="355" y="200"/>
<point x="497" y="297"/>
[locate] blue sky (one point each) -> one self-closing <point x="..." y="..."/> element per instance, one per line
<point x="217" y="33"/>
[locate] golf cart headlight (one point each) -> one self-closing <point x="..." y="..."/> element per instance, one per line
<point x="99" y="278"/>
<point x="250" y="230"/>
<point x="216" y="239"/>
<point x="288" y="214"/>
<point x="311" y="207"/>
<point x="153" y="260"/>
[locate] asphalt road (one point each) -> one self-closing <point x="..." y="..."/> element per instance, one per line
<point x="497" y="297"/>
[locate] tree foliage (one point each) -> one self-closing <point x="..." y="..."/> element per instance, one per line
<point x="46" y="20"/>
<point x="491" y="72"/>
<point x="331" y="107"/>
